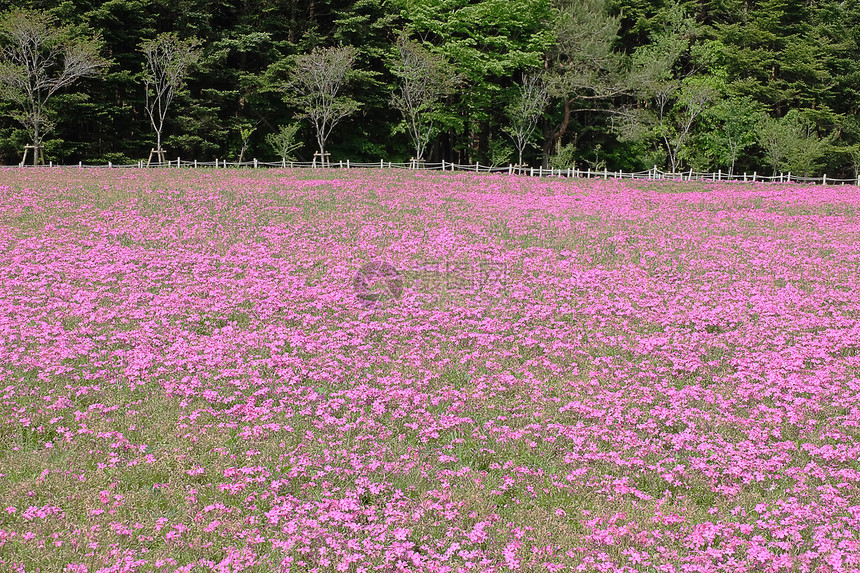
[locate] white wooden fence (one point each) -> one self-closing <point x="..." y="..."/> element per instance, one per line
<point x="651" y="174"/>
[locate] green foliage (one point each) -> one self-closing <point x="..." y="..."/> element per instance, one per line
<point x="623" y="78"/>
<point x="487" y="41"/>
<point x="792" y="144"/>
<point x="284" y="141"/>
<point x="565" y="157"/>
<point x="500" y="152"/>
<point x="729" y="129"/>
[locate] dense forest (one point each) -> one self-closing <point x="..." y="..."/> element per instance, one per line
<point x="767" y="85"/>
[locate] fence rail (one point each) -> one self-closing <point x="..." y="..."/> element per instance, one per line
<point x="650" y="175"/>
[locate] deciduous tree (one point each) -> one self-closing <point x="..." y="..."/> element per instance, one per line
<point x="317" y="79"/>
<point x="791" y="143"/>
<point x="284" y="141"/>
<point x="731" y="129"/>
<point x="168" y="59"/>
<point x="425" y="79"/>
<point x="669" y="101"/>
<point x="525" y="110"/>
<point x="40" y="58"/>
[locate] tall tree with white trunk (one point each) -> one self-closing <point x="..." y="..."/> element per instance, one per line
<point x="525" y="110"/>
<point x="168" y="59"/>
<point x="317" y="79"/>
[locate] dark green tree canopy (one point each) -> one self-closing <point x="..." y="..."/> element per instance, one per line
<point x="737" y="85"/>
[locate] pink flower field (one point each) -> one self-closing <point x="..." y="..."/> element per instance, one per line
<point x="358" y="371"/>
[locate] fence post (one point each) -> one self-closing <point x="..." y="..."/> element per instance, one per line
<point x="754" y="174"/>
<point x="347" y="163"/>
<point x="381" y="164"/>
<point x="824" y="179"/>
<point x="178" y="164"/>
<point x="283" y="162"/>
<point x="110" y="164"/>
<point x="605" y="173"/>
<point x="745" y="176"/>
<point x="255" y="163"/>
<point x="540" y="171"/>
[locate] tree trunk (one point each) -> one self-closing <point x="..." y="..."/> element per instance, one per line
<point x="35" y="143"/>
<point x="557" y="134"/>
